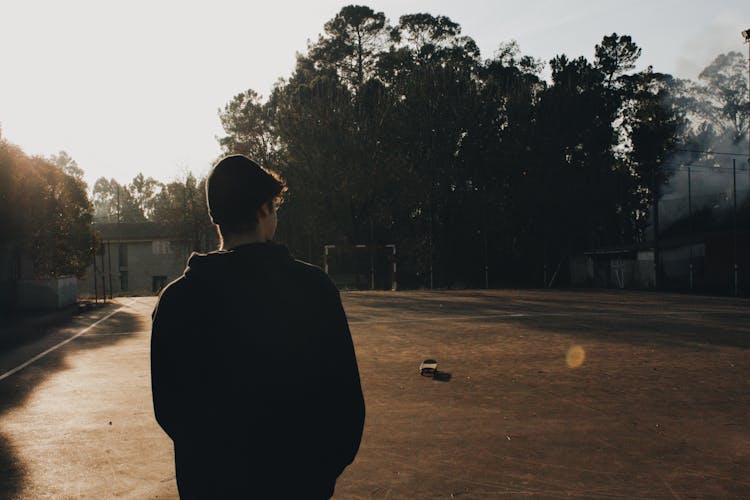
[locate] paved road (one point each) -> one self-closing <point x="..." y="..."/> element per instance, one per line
<point x="77" y="422"/>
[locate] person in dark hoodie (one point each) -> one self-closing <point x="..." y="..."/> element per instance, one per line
<point x="253" y="370"/>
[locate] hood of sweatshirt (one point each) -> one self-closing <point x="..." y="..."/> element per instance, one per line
<point x="240" y="261"/>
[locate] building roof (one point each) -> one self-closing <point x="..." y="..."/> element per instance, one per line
<point x="135" y="231"/>
<point x="670" y="242"/>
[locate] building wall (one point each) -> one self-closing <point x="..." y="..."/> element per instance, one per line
<point x="645" y="271"/>
<point x="581" y="271"/>
<point x="627" y="270"/>
<point x="700" y="267"/>
<point x="135" y="267"/>
<point x="47" y="294"/>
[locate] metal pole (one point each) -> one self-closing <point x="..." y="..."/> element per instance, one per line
<point x="734" y="226"/>
<point x="690" y="220"/>
<point x="484" y="237"/>
<point x="394" y="281"/>
<point x="372" y="255"/>
<point x="394" y="286"/>
<point x="432" y="281"/>
<point x="96" y="286"/>
<point x="544" y="264"/>
<point x="657" y="256"/>
<point x="486" y="258"/>
<point x="104" y="282"/>
<point x="325" y="256"/>
<point x="746" y="35"/>
<point x="109" y="264"/>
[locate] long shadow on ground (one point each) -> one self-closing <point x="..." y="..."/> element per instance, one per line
<point x="16" y="389"/>
<point x="632" y="317"/>
<point x="661" y="330"/>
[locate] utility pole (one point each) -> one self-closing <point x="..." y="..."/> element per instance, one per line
<point x="657" y="256"/>
<point x="96" y="284"/>
<point x="104" y="286"/>
<point x="430" y="245"/>
<point x="109" y="265"/>
<point x="484" y="237"/>
<point x="372" y="255"/>
<point x="734" y="227"/>
<point x="394" y="279"/>
<point x="746" y="34"/>
<point x="486" y="258"/>
<point x="690" y="221"/>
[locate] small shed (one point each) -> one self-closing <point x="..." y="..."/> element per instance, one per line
<point x="617" y="267"/>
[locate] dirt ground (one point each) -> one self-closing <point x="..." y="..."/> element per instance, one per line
<point x="551" y="394"/>
<point x="541" y="394"/>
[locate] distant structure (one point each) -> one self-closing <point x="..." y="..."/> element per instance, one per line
<point x="134" y="258"/>
<point x="700" y="262"/>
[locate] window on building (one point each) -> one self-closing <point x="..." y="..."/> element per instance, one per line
<point x="161" y="247"/>
<point x="122" y="254"/>
<point x="124" y="281"/>
<point x="157" y="283"/>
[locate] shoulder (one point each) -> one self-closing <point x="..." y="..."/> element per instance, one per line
<point x="171" y="296"/>
<point x="175" y="289"/>
<point x="313" y="275"/>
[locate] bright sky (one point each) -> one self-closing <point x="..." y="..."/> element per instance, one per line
<point x="128" y="87"/>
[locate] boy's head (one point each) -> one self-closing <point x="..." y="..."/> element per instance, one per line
<point x="236" y="189"/>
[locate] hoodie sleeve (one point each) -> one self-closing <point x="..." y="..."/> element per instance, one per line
<point x="167" y="392"/>
<point x="345" y="397"/>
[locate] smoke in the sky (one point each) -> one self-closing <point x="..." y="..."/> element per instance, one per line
<point x="720" y="35"/>
<point x="708" y="183"/>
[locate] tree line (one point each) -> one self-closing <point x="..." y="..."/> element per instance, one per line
<point x="403" y="133"/>
<point x="179" y="205"/>
<point x="45" y="214"/>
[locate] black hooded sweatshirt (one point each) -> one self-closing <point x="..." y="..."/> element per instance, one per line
<point x="254" y="376"/>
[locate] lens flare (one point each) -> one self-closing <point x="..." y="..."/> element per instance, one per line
<point x="575" y="357"/>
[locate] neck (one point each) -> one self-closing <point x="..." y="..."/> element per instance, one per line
<point x="231" y="241"/>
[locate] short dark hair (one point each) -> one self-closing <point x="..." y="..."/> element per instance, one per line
<point x="236" y="188"/>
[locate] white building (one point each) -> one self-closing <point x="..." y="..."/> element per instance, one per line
<point x="135" y="259"/>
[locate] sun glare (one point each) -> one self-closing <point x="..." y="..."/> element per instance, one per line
<point x="575" y="357"/>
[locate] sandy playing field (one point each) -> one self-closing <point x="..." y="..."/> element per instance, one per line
<point x="543" y="394"/>
<point x="552" y="394"/>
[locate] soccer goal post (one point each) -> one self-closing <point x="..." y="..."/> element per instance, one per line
<point x="362" y="266"/>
